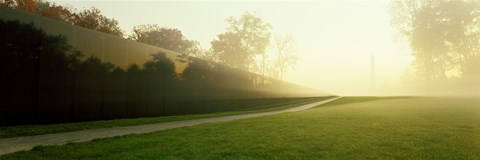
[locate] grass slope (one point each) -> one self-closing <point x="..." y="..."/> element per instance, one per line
<point x="380" y="128"/>
<point x="28" y="130"/>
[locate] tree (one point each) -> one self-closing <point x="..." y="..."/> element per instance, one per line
<point x="443" y="35"/>
<point x="22" y="5"/>
<point x="90" y="18"/>
<point x="198" y="72"/>
<point x="93" y="19"/>
<point x="57" y="12"/>
<point x="167" y="38"/>
<point x="196" y="51"/>
<point x="285" y="55"/>
<point x="229" y="50"/>
<point x="42" y="8"/>
<point x="246" y="37"/>
<point x="161" y="66"/>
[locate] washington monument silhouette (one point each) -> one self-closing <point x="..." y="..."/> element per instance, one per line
<point x="372" y="73"/>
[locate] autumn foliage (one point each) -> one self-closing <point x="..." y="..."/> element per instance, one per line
<point x="89" y="18"/>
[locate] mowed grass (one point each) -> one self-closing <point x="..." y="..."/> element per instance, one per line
<point x="28" y="130"/>
<point x="349" y="128"/>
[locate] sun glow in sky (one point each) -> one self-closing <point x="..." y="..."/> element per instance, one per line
<point x="334" y="39"/>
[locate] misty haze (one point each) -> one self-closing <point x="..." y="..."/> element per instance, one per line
<point x="368" y="79"/>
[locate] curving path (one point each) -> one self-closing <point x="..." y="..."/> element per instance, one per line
<point x="10" y="145"/>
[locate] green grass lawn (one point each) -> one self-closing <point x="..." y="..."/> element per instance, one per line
<point x="27" y="130"/>
<point x="349" y="128"/>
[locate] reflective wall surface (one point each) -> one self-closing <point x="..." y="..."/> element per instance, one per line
<point x="55" y="72"/>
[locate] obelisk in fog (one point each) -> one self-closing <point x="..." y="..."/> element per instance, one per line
<point x="372" y="73"/>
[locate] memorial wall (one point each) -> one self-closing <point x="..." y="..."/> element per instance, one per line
<point x="55" y="72"/>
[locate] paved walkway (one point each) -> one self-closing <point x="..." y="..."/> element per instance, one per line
<point x="10" y="145"/>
